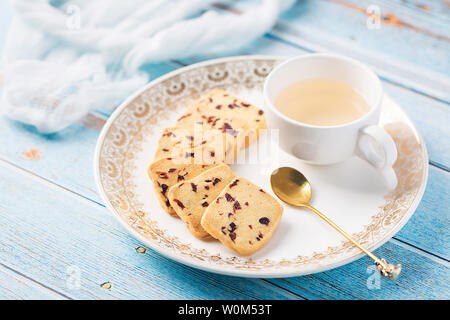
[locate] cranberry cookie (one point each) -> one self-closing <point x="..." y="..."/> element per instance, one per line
<point x="166" y="172"/>
<point x="190" y="198"/>
<point x="243" y="217"/>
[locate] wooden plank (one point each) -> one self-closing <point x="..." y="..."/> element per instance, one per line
<point x="422" y="278"/>
<point x="409" y="47"/>
<point x="14" y="286"/>
<point x="430" y="117"/>
<point x="435" y="9"/>
<point x="64" y="241"/>
<point x="429" y="227"/>
<point x="64" y="158"/>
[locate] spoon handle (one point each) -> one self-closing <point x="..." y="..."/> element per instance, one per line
<point x="387" y="270"/>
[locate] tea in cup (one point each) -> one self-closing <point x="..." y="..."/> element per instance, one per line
<point x="326" y="108"/>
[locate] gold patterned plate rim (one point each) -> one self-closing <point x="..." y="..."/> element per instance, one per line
<point x="114" y="164"/>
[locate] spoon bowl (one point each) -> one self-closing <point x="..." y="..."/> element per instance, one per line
<point x="291" y="186"/>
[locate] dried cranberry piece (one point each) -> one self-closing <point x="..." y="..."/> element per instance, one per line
<point x="172" y="170"/>
<point x="179" y="203"/>
<point x="232" y="236"/>
<point x="163" y="175"/>
<point x="216" y="181"/>
<point x="234" y="183"/>
<point x="164" y="188"/>
<point x="211" y="119"/>
<point x="237" y="206"/>
<point x="215" y="122"/>
<point x="227" y="128"/>
<point x="185" y="116"/>
<point x="194" y="187"/>
<point x="229" y="197"/>
<point x="205" y="204"/>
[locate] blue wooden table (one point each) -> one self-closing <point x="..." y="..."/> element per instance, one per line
<point x="57" y="240"/>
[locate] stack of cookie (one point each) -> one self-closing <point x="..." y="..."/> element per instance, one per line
<point x="193" y="181"/>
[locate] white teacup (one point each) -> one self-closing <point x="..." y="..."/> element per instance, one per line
<point x="325" y="145"/>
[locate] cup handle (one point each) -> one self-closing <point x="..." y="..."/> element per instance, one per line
<point x="376" y="146"/>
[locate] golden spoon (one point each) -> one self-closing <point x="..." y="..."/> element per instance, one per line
<point x="292" y="187"/>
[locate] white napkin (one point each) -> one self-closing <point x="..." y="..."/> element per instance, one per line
<point x="64" y="58"/>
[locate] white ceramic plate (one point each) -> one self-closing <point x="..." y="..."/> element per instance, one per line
<point x="350" y="193"/>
